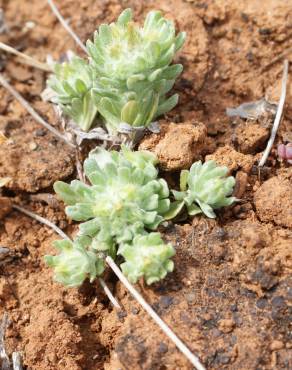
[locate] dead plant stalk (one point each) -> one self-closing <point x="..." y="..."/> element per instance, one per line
<point x="32" y="112"/>
<point x="278" y="115"/>
<point x="66" y="25"/>
<point x="25" y="58"/>
<point x="58" y="231"/>
<point x="164" y="327"/>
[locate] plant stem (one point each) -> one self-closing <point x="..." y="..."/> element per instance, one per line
<point x="66" y="25"/>
<point x="57" y="230"/>
<point x="113" y="300"/>
<point x="42" y="220"/>
<point x="180" y="345"/>
<point x="3" y="355"/>
<point x="26" y="58"/>
<point x="32" y="112"/>
<point x="16" y="360"/>
<point x="278" y="115"/>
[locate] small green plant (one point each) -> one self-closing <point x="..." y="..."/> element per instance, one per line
<point x="205" y="188"/>
<point x="125" y="200"/>
<point x="147" y="256"/>
<point x="75" y="262"/>
<point x="127" y="76"/>
<point x="121" y="207"/>
<point x="72" y="83"/>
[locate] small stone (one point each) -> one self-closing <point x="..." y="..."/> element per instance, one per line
<point x="191" y="298"/>
<point x="250" y="56"/>
<point x="121" y="315"/>
<point x="177" y="146"/>
<point x="215" y="333"/>
<point x="251" y="138"/>
<point x="33" y="146"/>
<point x="233" y="160"/>
<point x="234" y="307"/>
<point x="162" y="348"/>
<point x="165" y="301"/>
<point x="29" y="25"/>
<point x="240" y="184"/>
<point x="279" y="302"/>
<point x="265" y="31"/>
<point x="135" y="311"/>
<point x="276" y="345"/>
<point x="40" y="132"/>
<point x="262" y="303"/>
<point x="223" y="359"/>
<point x="226" y="325"/>
<point x="273" y="201"/>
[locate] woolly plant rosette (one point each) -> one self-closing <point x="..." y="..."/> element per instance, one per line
<point x="127" y="76"/>
<point x="124" y="202"/>
<point x="205" y="188"/>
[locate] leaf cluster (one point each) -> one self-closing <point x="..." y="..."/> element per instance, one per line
<point x="121" y="209"/>
<point x="127" y="76"/>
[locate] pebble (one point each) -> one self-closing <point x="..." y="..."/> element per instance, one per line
<point x="162" y="348"/>
<point x="33" y="146"/>
<point x="279" y="302"/>
<point x="262" y="303"/>
<point x="276" y="345"/>
<point x="40" y="132"/>
<point x="121" y="315"/>
<point x="226" y="325"/>
<point x="165" y="301"/>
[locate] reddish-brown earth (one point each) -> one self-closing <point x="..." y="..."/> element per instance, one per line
<point x="229" y="297"/>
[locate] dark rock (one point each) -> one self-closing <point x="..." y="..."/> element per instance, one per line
<point x="162" y="348"/>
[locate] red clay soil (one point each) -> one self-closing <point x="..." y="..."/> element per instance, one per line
<point x="228" y="298"/>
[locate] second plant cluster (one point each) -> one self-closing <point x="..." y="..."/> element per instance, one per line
<point x="124" y="204"/>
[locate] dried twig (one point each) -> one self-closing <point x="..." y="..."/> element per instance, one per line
<point x="66" y="25"/>
<point x="26" y="58"/>
<point x="16" y="361"/>
<point x="65" y="236"/>
<point x="278" y="115"/>
<point x="193" y="359"/>
<point x="3" y="355"/>
<point x="41" y="220"/>
<point x="32" y="112"/>
<point x="180" y="345"/>
<point x="107" y="291"/>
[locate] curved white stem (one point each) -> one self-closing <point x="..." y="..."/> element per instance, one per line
<point x="32" y="112"/>
<point x="180" y="345"/>
<point x="41" y="220"/>
<point x="57" y="230"/>
<point x="26" y="58"/>
<point x="66" y="25"/>
<point x="164" y="327"/>
<point x="278" y="115"/>
<point x="114" y="302"/>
